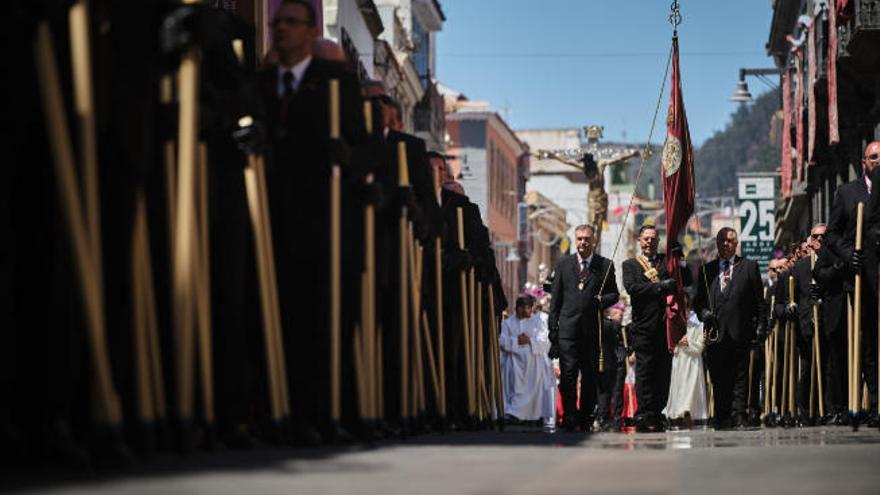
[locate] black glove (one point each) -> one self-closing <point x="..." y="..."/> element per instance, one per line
<point x="815" y="292"/>
<point x="856" y="261"/>
<point x="458" y="260"/>
<point x="370" y="193"/>
<point x="708" y="317"/>
<point x="554" y="351"/>
<point x="675" y="249"/>
<point x="760" y="337"/>
<point x="791" y="311"/>
<point x="250" y="138"/>
<point x="338" y="152"/>
<point x="406" y="196"/>
<point x="667" y="286"/>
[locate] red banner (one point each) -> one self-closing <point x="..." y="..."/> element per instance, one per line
<point x="785" y="166"/>
<point x="833" y="131"/>
<point x="678" y="197"/>
<point x="799" y="112"/>
<point x="811" y="94"/>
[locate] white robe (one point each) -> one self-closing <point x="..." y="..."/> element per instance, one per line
<point x="526" y="372"/>
<point x="687" y="389"/>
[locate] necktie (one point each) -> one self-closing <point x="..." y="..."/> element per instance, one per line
<point x="287" y="80"/>
<point x="725" y="275"/>
<point x="582" y="276"/>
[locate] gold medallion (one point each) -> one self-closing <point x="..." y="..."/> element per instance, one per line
<point x="581" y="286"/>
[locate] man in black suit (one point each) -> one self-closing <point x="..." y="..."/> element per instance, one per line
<point x="647" y="281"/>
<point x="731" y="307"/>
<point x="584" y="286"/>
<point x="295" y="96"/>
<point x="801" y="311"/>
<point x="840" y="243"/>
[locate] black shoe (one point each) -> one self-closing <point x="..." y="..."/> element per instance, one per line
<point x="61" y="447"/>
<point x="304" y="435"/>
<point x="238" y="438"/>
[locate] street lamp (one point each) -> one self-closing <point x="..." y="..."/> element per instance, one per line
<point x="742" y="94"/>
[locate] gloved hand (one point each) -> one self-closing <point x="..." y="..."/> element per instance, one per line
<point x="815" y="292"/>
<point x="667" y="286"/>
<point x="250" y="138"/>
<point x="554" y="351"/>
<point x="338" y="152"/>
<point x="708" y="317"/>
<point x="675" y="249"/>
<point x="856" y="262"/>
<point x="458" y="260"/>
<point x="760" y="337"/>
<point x="791" y="311"/>
<point x="371" y="193"/>
<point x="406" y="197"/>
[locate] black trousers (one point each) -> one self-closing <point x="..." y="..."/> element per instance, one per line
<point x="729" y="367"/>
<point x="805" y="352"/>
<point x="578" y="357"/>
<point x="653" y="372"/>
<point x="834" y="367"/>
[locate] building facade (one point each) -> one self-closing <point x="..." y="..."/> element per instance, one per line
<point x="830" y="102"/>
<point x="494" y="167"/>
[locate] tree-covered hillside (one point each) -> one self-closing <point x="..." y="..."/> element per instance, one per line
<point x="746" y="145"/>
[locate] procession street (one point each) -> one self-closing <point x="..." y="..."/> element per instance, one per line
<point x="521" y="460"/>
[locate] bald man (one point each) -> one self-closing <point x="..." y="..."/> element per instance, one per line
<point x="328" y="50"/>
<point x="840" y="242"/>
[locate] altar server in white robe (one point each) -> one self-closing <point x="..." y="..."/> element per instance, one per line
<point x="527" y="374"/>
<point x="687" y="388"/>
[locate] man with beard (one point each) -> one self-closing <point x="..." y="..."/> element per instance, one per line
<point x="647" y="281"/>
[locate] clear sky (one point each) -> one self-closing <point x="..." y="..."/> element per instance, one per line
<point x="569" y="63"/>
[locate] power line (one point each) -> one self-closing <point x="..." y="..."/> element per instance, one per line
<point x="589" y="54"/>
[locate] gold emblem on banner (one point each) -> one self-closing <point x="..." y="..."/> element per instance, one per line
<point x="671" y="155"/>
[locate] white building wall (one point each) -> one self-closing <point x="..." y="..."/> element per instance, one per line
<point x="345" y="14"/>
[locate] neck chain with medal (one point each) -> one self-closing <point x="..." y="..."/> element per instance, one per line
<point x="650" y="272"/>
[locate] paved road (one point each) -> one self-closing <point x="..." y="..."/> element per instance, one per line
<point x="811" y="460"/>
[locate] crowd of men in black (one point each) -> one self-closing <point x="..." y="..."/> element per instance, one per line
<point x="798" y="349"/>
<point x="248" y="112"/>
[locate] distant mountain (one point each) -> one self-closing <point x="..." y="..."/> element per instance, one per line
<point x="749" y="143"/>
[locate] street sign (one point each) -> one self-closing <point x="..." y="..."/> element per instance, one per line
<point x="757" y="205"/>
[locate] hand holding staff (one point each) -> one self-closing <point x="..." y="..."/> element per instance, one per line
<point x="855" y="379"/>
<point x="816" y="347"/>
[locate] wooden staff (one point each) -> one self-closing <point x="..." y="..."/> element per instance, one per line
<point x="252" y="189"/>
<point x="792" y="360"/>
<point x="857" y="316"/>
<point x="496" y="360"/>
<point x="144" y="388"/>
<point x="403" y="176"/>
<point x="91" y="285"/>
<point x="775" y="379"/>
<point x="432" y="363"/>
<point x="438" y="289"/>
<point x="269" y="254"/>
<point x="816" y="344"/>
<point x="418" y="384"/>
<point x="380" y="385"/>
<point x="465" y="318"/>
<point x="472" y="344"/>
<point x="785" y="371"/>
<point x="849" y="353"/>
<point x="482" y="403"/>
<point x="369" y="310"/>
<point x="751" y="370"/>
<point x="335" y="265"/>
<point x="184" y="249"/>
<point x="151" y="324"/>
<point x="768" y="349"/>
<point x="202" y="276"/>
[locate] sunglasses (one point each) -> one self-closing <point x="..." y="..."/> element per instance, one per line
<point x="293" y="21"/>
<point x="875" y="156"/>
<point x="817" y="236"/>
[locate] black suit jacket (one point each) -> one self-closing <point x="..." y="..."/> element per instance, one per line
<point x="801" y="274"/>
<point x="739" y="308"/>
<point x="298" y="152"/>
<point x="841" y="232"/>
<point x="647" y="300"/>
<point x="574" y="313"/>
<point x="831" y="276"/>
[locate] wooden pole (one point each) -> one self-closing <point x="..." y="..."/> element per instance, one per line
<point x="498" y="393"/>
<point x="441" y="348"/>
<point x="152" y="325"/>
<point x="202" y="275"/>
<point x="252" y="189"/>
<point x="465" y="318"/>
<point x="849" y="353"/>
<point x="817" y="355"/>
<point x="90" y="282"/>
<point x="857" y="314"/>
<point x="768" y="361"/>
<point x="403" y="182"/>
<point x="335" y="265"/>
<point x="140" y="345"/>
<point x="785" y="371"/>
<point x="185" y="223"/>
<point x="751" y="373"/>
<point x="472" y="326"/>
<point x="269" y="255"/>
